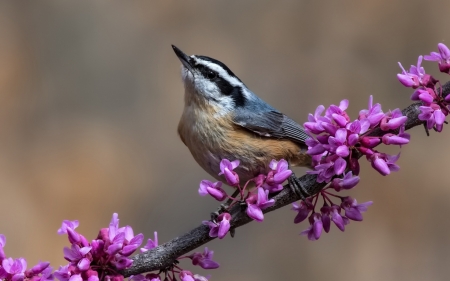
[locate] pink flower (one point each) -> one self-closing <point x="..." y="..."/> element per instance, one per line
<point x="67" y="224"/>
<point x="279" y="173"/>
<point x="347" y="182"/>
<point x="303" y="209"/>
<point x="226" y="169"/>
<point x="204" y="260"/>
<point x="392" y="120"/>
<point x="384" y="163"/>
<point x="213" y="189"/>
<point x="443" y="57"/>
<point x="257" y="202"/>
<point x="151" y="243"/>
<point x="332" y="213"/>
<point x="219" y="228"/>
<point x="352" y="209"/>
<point x="315" y="228"/>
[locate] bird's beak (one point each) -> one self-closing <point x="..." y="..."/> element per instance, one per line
<point x="183" y="58"/>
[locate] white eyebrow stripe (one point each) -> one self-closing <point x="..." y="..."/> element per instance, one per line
<point x="222" y="72"/>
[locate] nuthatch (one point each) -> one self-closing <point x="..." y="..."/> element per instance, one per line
<point x="223" y="119"/>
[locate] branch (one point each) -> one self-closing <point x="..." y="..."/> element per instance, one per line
<point x="164" y="256"/>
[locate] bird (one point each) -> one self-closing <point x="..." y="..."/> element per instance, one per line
<point x="223" y="119"/>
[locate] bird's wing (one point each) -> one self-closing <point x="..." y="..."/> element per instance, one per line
<point x="272" y="124"/>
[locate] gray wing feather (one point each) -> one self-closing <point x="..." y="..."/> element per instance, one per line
<point x="271" y="124"/>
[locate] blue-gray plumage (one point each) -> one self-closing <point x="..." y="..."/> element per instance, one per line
<point x="270" y="123"/>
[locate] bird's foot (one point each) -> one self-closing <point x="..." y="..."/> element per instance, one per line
<point x="297" y="187"/>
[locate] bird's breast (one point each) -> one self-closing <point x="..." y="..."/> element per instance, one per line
<point x="211" y="138"/>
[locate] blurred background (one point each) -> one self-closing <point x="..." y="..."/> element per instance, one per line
<point x="91" y="95"/>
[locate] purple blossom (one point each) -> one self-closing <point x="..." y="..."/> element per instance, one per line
<point x="337" y="143"/>
<point x="213" y="189"/>
<point x="303" y="209"/>
<point x="352" y="209"/>
<point x="226" y="169"/>
<point x="373" y="114"/>
<point x="333" y="111"/>
<point x="278" y="174"/>
<point x="37" y="269"/>
<point x="415" y="77"/>
<point x="147" y="277"/>
<point x="259" y="180"/>
<point x="219" y="228"/>
<point x="47" y="274"/>
<point x="395" y="139"/>
<point x="384" y="163"/>
<point x="347" y="182"/>
<point x="16" y="268"/>
<point x="151" y="243"/>
<point x="122" y="239"/>
<point x="2" y="244"/>
<point x="63" y="273"/>
<point x="315" y="121"/>
<point x="186" y="275"/>
<point x="198" y="277"/>
<point x="332" y="213"/>
<point x="204" y="260"/>
<point x="315" y="147"/>
<point x="329" y="167"/>
<point x="67" y="224"/>
<point x="356" y="128"/>
<point x="315" y="228"/>
<point x="93" y="276"/>
<point x="403" y="134"/>
<point x="108" y="253"/>
<point x="121" y="262"/>
<point x="426" y="96"/>
<point x="257" y="202"/>
<point x="393" y="120"/>
<point x="370" y="142"/>
<point x="75" y="253"/>
<point x="133" y="244"/>
<point x="433" y="115"/>
<point x="443" y="57"/>
<point x="68" y="227"/>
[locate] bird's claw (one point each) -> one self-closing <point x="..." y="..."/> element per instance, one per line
<point x="297" y="187"/>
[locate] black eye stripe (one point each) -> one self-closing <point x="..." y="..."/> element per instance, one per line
<point x="207" y="73"/>
<point x="232" y="91"/>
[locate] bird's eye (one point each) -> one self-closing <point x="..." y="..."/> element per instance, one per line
<point x="211" y="74"/>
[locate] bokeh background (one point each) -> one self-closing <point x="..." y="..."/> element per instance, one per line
<point x="91" y="95"/>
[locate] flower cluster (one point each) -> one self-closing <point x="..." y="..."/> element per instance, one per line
<point x="103" y="257"/>
<point x="16" y="269"/>
<point x="335" y="142"/>
<point x="256" y="200"/>
<point x="435" y="106"/>
<point x="329" y="212"/>
<point x="109" y="253"/>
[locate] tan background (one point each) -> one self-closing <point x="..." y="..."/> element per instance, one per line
<point x="90" y="97"/>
